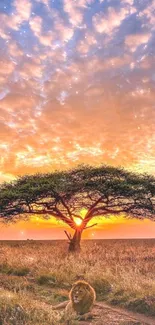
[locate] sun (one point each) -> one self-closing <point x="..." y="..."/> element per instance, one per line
<point x="78" y="221"/>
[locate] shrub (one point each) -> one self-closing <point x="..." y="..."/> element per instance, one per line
<point x="102" y="287"/>
<point x="45" y="279"/>
<point x="144" y="305"/>
<point x="22" y="271"/>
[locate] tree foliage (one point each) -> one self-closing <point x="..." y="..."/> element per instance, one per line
<point x="102" y="191"/>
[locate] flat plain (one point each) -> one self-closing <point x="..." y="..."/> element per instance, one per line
<point x="34" y="275"/>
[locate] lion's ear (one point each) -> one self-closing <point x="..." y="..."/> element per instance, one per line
<point x="88" y="289"/>
<point x="73" y="285"/>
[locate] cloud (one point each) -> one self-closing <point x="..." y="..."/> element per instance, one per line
<point x="59" y="31"/>
<point x="147" y="14"/>
<point x="65" y="33"/>
<point x="6" y="67"/>
<point x="130" y="2"/>
<point x="31" y="70"/>
<point x="9" y="21"/>
<point x="3" y="33"/>
<point x="71" y="92"/>
<point x="111" y="21"/>
<point x="14" y="50"/>
<point x="45" y="2"/>
<point x="36" y="25"/>
<point x="23" y="9"/>
<point x="74" y="11"/>
<point x="66" y="137"/>
<point x="46" y="40"/>
<point x="6" y="177"/>
<point x="18" y="105"/>
<point x="87" y="43"/>
<point x="83" y="47"/>
<point x="135" y="40"/>
<point x="15" y="19"/>
<point x="32" y="159"/>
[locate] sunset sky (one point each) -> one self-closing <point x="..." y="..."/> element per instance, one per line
<point x="77" y="85"/>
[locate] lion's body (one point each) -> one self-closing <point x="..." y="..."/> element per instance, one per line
<point x="82" y="296"/>
<point x="81" y="299"/>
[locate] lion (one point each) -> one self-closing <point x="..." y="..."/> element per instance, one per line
<point x="81" y="299"/>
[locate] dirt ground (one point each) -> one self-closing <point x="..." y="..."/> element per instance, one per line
<point x="107" y="315"/>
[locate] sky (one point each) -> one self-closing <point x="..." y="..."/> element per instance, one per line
<point x="77" y="85"/>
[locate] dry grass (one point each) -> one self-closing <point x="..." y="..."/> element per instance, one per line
<point x="34" y="275"/>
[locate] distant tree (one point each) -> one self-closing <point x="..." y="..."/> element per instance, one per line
<point x="102" y="191"/>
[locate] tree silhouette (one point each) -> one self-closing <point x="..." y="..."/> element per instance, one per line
<point x="102" y="191"/>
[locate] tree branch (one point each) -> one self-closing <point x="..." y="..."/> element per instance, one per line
<point x="77" y="216"/>
<point x="92" y="207"/>
<point x="90" y="226"/>
<point x="95" y="212"/>
<point x="55" y="212"/>
<point x="64" y="218"/>
<point x="66" y="206"/>
<point x="68" y="235"/>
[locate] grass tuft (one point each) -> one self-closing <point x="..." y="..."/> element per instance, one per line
<point x="7" y="269"/>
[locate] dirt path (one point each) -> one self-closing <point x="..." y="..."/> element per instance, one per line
<point x="107" y="315"/>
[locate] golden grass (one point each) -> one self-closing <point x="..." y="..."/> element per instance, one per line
<point x="38" y="274"/>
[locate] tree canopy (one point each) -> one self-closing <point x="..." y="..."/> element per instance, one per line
<point x="102" y="191"/>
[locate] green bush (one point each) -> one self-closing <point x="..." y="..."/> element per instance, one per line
<point x="47" y="279"/>
<point x="144" y="305"/>
<point x="22" y="271"/>
<point x="102" y="287"/>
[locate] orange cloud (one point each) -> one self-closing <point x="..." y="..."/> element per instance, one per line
<point x="133" y="41"/>
<point x="72" y="92"/>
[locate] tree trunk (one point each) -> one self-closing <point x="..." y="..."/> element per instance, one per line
<point x="74" y="244"/>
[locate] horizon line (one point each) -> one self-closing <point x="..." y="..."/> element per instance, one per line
<point x="84" y="239"/>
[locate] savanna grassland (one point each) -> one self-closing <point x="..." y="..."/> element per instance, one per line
<point x="35" y="275"/>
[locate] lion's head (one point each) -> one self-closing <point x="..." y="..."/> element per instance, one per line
<point x="82" y="296"/>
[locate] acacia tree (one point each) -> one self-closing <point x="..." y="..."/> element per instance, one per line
<point x="102" y="191"/>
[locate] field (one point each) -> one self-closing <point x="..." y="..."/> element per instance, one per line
<point x="35" y="275"/>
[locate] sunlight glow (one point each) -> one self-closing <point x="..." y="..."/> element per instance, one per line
<point x="78" y="221"/>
